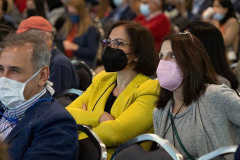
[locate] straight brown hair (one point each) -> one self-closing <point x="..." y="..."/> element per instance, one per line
<point x="195" y="65"/>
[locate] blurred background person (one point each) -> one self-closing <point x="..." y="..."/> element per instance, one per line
<point x="104" y="9"/>
<point x="55" y="13"/>
<point x="121" y="11"/>
<point x="81" y="36"/>
<point x="193" y="114"/>
<point x="212" y="40"/>
<point x="134" y="5"/>
<point x="199" y="6"/>
<point x="5" y="7"/>
<point x="4" y="31"/>
<point x="153" y="18"/>
<point x="21" y="5"/>
<point x="34" y="8"/>
<point x="224" y="18"/>
<point x="180" y="13"/>
<point x="118" y="104"/>
<point x="236" y="5"/>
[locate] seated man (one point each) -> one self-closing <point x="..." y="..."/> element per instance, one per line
<point x="32" y="123"/>
<point x="62" y="73"/>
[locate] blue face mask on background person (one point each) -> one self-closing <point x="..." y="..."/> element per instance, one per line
<point x="218" y="16"/>
<point x="144" y="9"/>
<point x="117" y="3"/>
<point x="74" y="18"/>
<point x="12" y="91"/>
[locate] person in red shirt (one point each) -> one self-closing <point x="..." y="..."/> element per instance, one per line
<point x="21" y="5"/>
<point x="153" y="18"/>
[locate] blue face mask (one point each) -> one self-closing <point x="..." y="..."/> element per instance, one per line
<point x="117" y="3"/>
<point x="144" y="9"/>
<point x="74" y="18"/>
<point x="218" y="16"/>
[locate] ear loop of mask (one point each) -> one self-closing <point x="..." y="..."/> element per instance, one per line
<point x="34" y="75"/>
<point x="132" y="60"/>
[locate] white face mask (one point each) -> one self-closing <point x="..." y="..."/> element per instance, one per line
<point x="11" y="91"/>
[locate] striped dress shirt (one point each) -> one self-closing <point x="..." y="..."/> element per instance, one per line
<point x="16" y="113"/>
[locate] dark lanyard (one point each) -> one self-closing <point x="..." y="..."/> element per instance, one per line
<point x="171" y="119"/>
<point x="178" y="138"/>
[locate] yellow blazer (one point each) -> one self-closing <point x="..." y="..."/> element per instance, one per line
<point x="132" y="109"/>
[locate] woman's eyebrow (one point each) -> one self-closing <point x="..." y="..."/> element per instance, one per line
<point x="118" y="39"/>
<point x="167" y="52"/>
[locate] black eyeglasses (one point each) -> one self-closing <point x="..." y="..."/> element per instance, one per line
<point x="114" y="44"/>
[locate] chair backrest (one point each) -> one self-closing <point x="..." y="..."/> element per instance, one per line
<point x="131" y="149"/>
<point x="218" y="153"/>
<point x="91" y="148"/>
<point x="81" y="64"/>
<point x="85" y="73"/>
<point x="66" y="97"/>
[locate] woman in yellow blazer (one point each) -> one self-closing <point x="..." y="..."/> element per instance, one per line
<point x="118" y="105"/>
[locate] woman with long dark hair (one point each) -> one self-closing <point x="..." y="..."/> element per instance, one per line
<point x="212" y="40"/>
<point x="225" y="20"/>
<point x="193" y="113"/>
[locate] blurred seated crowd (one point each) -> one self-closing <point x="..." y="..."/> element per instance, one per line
<point x="167" y="67"/>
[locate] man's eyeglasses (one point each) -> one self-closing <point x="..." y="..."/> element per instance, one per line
<point x="114" y="44"/>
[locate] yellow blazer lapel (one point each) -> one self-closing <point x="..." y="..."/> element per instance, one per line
<point x="105" y="87"/>
<point x="124" y="99"/>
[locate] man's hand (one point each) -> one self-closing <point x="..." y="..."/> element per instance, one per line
<point x="105" y="117"/>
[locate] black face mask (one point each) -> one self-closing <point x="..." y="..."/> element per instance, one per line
<point x="114" y="59"/>
<point x="31" y="12"/>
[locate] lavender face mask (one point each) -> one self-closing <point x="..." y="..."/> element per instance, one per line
<point x="169" y="75"/>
